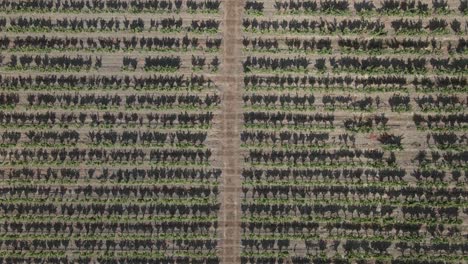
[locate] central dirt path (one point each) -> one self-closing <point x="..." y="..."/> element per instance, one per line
<point x="231" y="123"/>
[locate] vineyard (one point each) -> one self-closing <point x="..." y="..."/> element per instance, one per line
<point x="219" y="131"/>
<point x="107" y="115"/>
<point x="354" y="132"/>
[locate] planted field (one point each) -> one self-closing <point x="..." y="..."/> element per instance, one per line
<point x="189" y="131"/>
<point x="107" y="117"/>
<point x="354" y="133"/>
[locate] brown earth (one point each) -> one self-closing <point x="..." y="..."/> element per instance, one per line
<point x="231" y="124"/>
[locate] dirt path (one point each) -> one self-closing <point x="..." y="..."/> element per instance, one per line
<point x="231" y="123"/>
